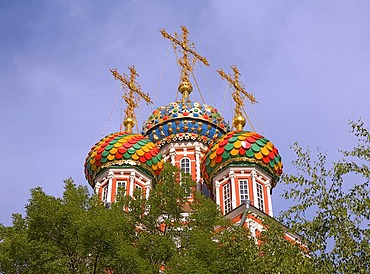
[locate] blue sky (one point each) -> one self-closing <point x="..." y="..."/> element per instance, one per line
<point x="306" y="62"/>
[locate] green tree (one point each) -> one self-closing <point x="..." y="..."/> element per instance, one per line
<point x="332" y="205"/>
<point x="281" y="255"/>
<point x="78" y="234"/>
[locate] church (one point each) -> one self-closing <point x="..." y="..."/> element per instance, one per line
<point x="237" y="169"/>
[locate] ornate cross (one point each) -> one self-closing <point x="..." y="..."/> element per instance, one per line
<point x="239" y="93"/>
<point x="185" y="87"/>
<point x="131" y="96"/>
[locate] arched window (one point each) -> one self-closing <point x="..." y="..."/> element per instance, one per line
<point x="185" y="165"/>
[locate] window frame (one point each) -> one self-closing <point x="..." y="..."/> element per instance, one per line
<point x="104" y="193"/>
<point x="243" y="190"/>
<point x="118" y="186"/>
<point x="227" y="197"/>
<point x="260" y="197"/>
<point x="188" y="165"/>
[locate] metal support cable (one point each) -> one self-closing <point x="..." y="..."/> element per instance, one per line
<point x="110" y="115"/>
<point x="161" y="76"/>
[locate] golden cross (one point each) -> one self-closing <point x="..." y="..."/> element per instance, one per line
<point x="132" y="88"/>
<point x="239" y="93"/>
<point x="185" y="87"/>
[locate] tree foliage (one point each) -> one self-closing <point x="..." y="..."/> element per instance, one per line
<point x="79" y="234"/>
<point x="332" y="205"/>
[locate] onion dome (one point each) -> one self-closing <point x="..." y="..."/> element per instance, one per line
<point x="184" y="121"/>
<point x="242" y="148"/>
<point x="123" y="149"/>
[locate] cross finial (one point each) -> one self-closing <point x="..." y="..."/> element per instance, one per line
<point x="239" y="94"/>
<point x="182" y="41"/>
<point x="131" y="96"/>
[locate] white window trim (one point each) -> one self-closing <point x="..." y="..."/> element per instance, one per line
<point x="118" y="186"/>
<point x="243" y="186"/>
<point x="189" y="162"/>
<point x="227" y="197"/>
<point x="260" y="198"/>
<point x="104" y="194"/>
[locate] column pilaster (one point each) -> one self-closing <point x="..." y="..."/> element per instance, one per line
<point x="233" y="189"/>
<point x="110" y="177"/>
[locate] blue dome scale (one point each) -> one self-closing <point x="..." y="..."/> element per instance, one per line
<point x="185" y="121"/>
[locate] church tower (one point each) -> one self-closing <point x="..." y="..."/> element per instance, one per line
<point x="124" y="161"/>
<point x="236" y="168"/>
<point x="183" y="130"/>
<point x="242" y="166"/>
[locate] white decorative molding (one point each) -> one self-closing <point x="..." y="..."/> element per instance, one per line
<point x="233" y="189"/>
<point x="147" y="191"/>
<point x="254" y="226"/>
<point x="217" y="192"/>
<point x="254" y="185"/>
<point x="232" y="173"/>
<point x="254" y="174"/>
<point x="197" y="166"/>
<point x="173" y="155"/>
<point x="110" y="177"/>
<point x="132" y="182"/>
<point x="110" y="174"/>
<point x="269" y="202"/>
<point x="97" y="187"/>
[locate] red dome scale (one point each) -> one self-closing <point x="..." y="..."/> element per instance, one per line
<point x="242" y="148"/>
<point x="122" y="149"/>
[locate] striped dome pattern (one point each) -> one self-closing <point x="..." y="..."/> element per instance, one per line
<point x="123" y="148"/>
<point x="242" y="148"/>
<point x="190" y="119"/>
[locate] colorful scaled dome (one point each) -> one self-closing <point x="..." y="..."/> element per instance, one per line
<point x="185" y="121"/>
<point x="123" y="149"/>
<point x="242" y="148"/>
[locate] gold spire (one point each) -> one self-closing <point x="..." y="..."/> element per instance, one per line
<point x="185" y="87"/>
<point x="239" y="95"/>
<point x="131" y="88"/>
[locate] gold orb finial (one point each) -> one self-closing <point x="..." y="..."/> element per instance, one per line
<point x="185" y="88"/>
<point x="129" y="124"/>
<point x="239" y="122"/>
